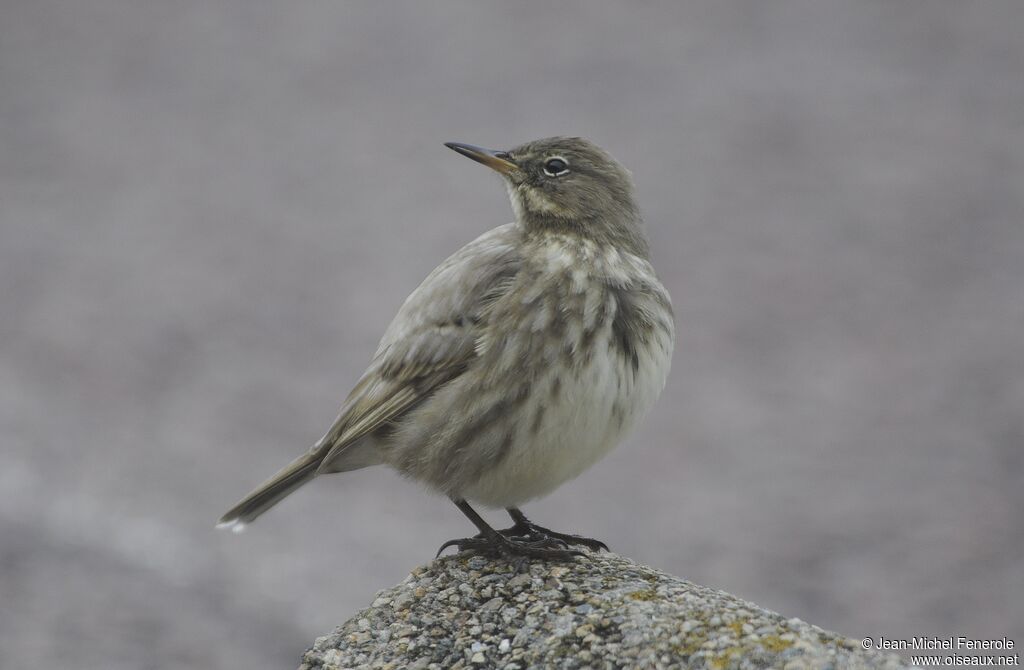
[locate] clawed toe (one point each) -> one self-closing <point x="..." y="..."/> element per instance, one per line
<point x="576" y="540"/>
<point x="460" y="543"/>
<point x="534" y="533"/>
<point x="502" y="546"/>
<point x="523" y="540"/>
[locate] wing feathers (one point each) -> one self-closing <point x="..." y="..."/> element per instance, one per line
<point x="432" y="339"/>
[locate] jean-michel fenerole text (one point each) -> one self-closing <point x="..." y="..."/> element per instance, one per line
<point x="961" y="643"/>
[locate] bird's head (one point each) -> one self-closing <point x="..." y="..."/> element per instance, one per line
<point x="566" y="183"/>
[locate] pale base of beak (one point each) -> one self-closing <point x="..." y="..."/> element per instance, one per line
<point x="496" y="160"/>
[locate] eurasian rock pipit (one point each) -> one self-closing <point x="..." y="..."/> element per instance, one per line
<point x="519" y="362"/>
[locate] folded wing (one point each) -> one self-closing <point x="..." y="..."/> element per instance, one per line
<point x="432" y="340"/>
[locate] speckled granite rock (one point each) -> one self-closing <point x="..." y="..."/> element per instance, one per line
<point x="605" y="612"/>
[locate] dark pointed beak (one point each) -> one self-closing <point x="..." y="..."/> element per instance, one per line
<point x="499" y="161"/>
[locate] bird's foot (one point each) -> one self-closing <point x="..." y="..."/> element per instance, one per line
<point x="531" y="531"/>
<point x="514" y="546"/>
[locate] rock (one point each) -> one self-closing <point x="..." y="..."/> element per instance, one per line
<point x="602" y="611"/>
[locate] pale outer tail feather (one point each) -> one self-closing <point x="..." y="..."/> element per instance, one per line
<point x="359" y="454"/>
<point x="272" y="491"/>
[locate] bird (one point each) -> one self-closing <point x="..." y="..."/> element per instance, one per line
<point x="520" y="361"/>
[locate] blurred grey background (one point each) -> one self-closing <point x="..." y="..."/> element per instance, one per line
<point x="211" y="210"/>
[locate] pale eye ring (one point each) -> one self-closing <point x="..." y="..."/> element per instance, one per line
<point x="556" y="166"/>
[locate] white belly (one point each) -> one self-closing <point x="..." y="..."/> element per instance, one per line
<point x="582" y="416"/>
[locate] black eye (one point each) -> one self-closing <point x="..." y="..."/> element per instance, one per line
<point x="555" y="167"/>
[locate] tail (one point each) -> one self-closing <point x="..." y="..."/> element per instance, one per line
<point x="272" y="491"/>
